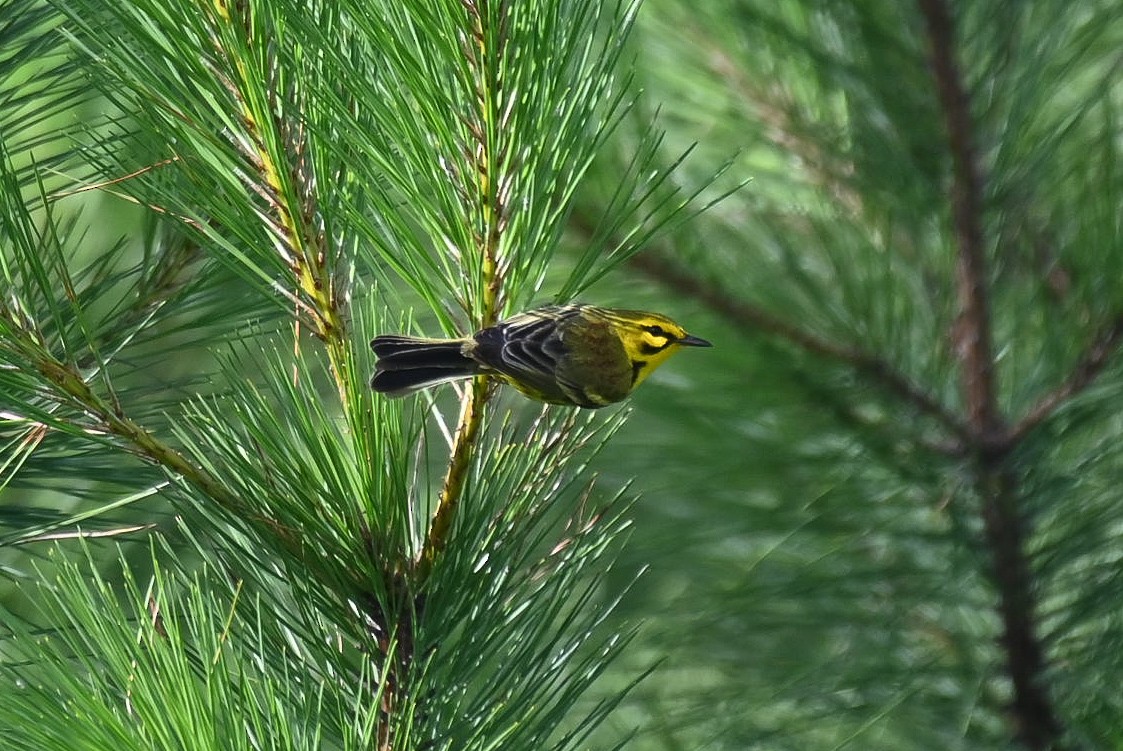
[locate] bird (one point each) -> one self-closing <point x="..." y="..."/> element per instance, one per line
<point x="576" y="354"/>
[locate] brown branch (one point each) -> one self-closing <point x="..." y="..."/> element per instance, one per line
<point x="1087" y="369"/>
<point x="1006" y="531"/>
<point x="972" y="334"/>
<point x="68" y="382"/>
<point x="1034" y="717"/>
<point x="755" y="318"/>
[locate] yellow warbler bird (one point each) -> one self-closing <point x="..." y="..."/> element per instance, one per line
<point x="562" y="354"/>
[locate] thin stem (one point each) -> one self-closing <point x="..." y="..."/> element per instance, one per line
<point x="467" y="433"/>
<point x="1034" y="717"/>
<point x="484" y="187"/>
<point x="489" y="151"/>
<point x="1006" y="529"/>
<point x="484" y="49"/>
<point x="142" y="442"/>
<point x="1087" y="369"/>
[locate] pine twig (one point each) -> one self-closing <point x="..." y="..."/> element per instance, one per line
<point x="286" y="186"/>
<point x="467" y="434"/>
<point x="1086" y="371"/>
<point x="142" y="442"/>
<point x="755" y="318"/>
<point x="486" y="154"/>
<point x="973" y="334"/>
<point x="485" y="191"/>
<point x="1033" y="714"/>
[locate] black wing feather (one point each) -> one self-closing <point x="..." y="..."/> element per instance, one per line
<point x="528" y="348"/>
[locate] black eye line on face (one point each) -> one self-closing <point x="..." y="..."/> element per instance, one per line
<point x="658" y="331"/>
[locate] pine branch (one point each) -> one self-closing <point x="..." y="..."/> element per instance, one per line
<point x="467" y="435"/>
<point x="276" y="147"/>
<point x="484" y="49"/>
<point x="753" y="318"/>
<point x="140" y="441"/>
<point x="485" y="191"/>
<point x="1088" y="368"/>
<point x="972" y="334"/>
<point x="1034" y="716"/>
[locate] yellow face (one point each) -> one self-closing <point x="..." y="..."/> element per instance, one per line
<point x="649" y="339"/>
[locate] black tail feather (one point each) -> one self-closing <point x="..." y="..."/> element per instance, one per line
<point x="406" y="364"/>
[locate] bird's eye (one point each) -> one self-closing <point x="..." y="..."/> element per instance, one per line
<point x="655" y="331"/>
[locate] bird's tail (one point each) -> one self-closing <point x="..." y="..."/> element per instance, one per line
<point x="407" y="364"/>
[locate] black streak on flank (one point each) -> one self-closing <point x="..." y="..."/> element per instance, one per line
<point x="637" y="368"/>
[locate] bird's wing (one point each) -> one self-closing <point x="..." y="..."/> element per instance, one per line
<point x="528" y="349"/>
<point x="537" y="353"/>
<point x="532" y="344"/>
<point x="598" y="372"/>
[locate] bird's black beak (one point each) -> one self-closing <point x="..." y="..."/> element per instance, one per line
<point x="693" y="341"/>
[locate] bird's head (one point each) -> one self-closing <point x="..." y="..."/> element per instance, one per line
<point x="649" y="339"/>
